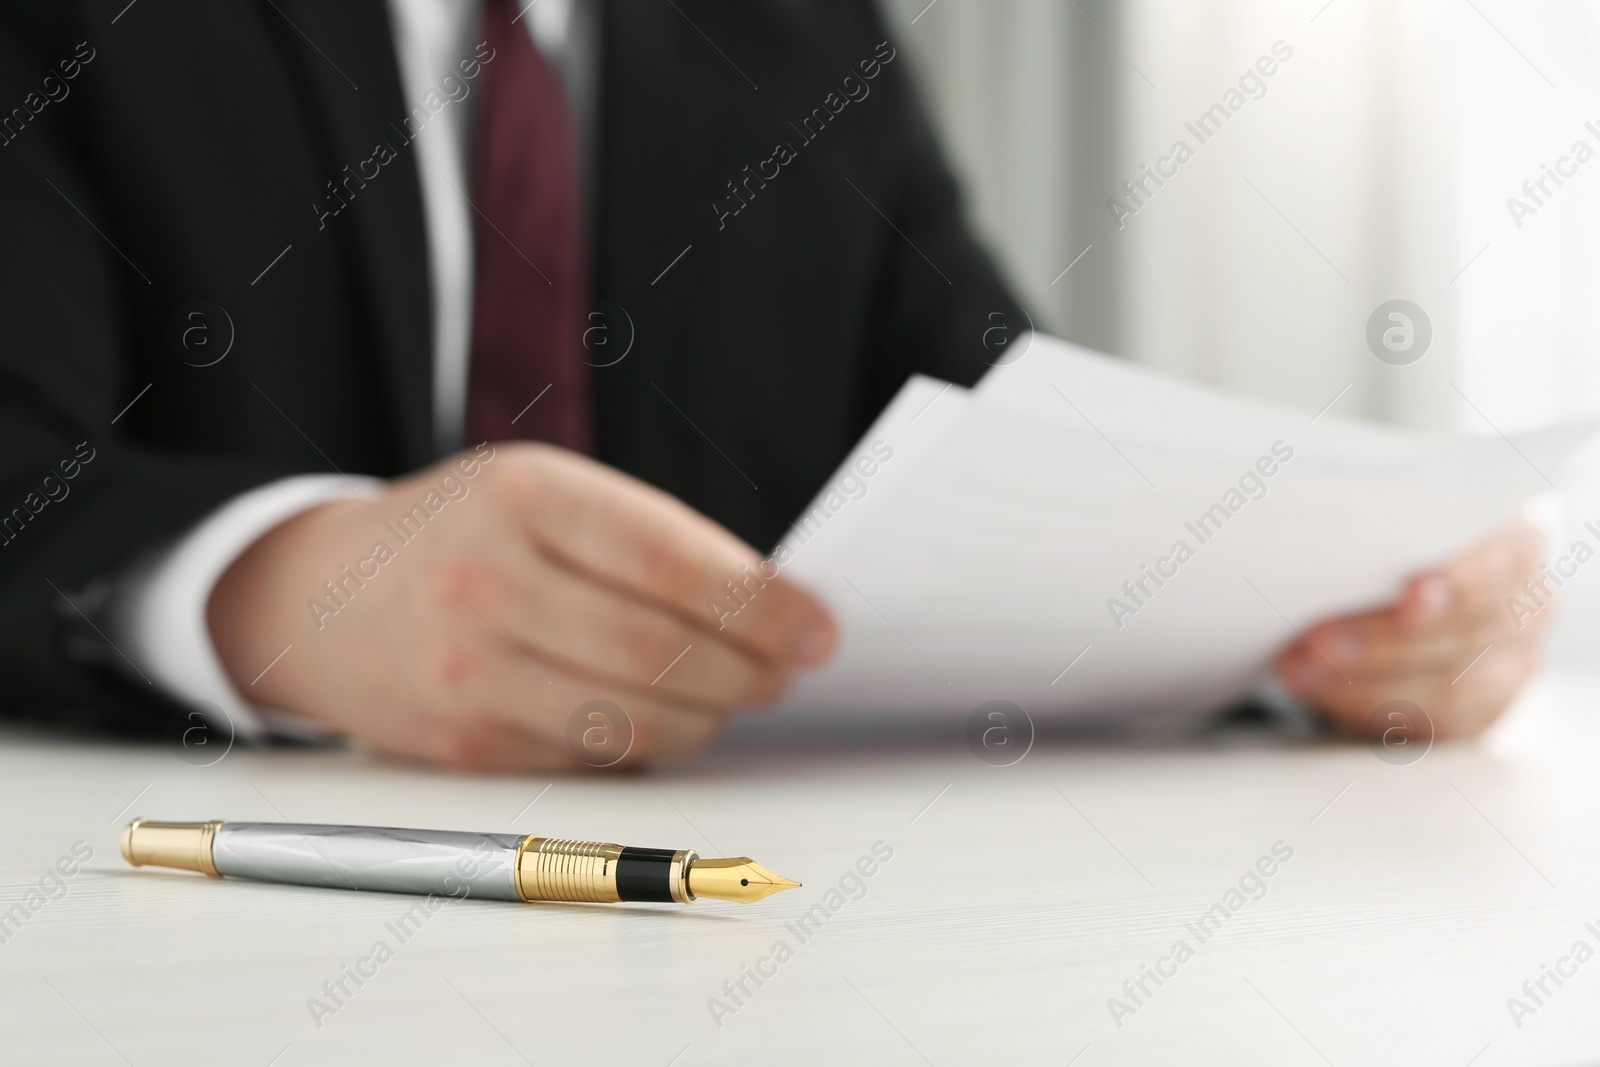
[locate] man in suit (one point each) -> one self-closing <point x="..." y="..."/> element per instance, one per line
<point x="417" y="370"/>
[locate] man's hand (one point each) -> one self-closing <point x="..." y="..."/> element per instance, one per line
<point x="462" y="618"/>
<point x="1450" y="645"/>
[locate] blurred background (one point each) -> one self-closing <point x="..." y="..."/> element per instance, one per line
<point x="1376" y="162"/>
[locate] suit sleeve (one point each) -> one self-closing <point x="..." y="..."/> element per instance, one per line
<point x="947" y="310"/>
<point x="79" y="500"/>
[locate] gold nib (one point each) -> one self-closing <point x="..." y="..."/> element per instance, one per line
<point x="739" y="879"/>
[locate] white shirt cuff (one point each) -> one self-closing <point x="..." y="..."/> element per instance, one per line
<point x="158" y="611"/>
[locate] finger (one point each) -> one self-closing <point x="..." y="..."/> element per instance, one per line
<point x="666" y="734"/>
<point x="501" y="747"/>
<point x="468" y="745"/>
<point x="475" y="676"/>
<point x="658" y="735"/>
<point x="1379" y="643"/>
<point x="607" y="728"/>
<point x="1465" y="707"/>
<point x="1438" y="616"/>
<point x="1476" y="582"/>
<point x="597" y="632"/>
<point x="608" y="525"/>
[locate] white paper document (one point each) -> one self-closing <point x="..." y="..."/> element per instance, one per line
<point x="1082" y="534"/>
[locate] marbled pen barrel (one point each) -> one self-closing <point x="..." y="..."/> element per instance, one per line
<point x="379" y="858"/>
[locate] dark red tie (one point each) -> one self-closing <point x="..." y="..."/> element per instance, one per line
<point x="527" y="377"/>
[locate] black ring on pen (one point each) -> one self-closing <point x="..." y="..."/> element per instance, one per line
<point x="645" y="874"/>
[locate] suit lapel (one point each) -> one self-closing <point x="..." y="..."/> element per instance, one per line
<point x="345" y="54"/>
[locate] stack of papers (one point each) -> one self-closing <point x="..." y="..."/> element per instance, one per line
<point x="1080" y="534"/>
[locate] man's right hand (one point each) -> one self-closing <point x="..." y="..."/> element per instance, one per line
<point x="551" y="582"/>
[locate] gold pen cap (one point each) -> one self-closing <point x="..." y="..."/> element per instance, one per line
<point x="184" y="845"/>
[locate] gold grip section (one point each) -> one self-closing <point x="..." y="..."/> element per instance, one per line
<point x="184" y="845"/>
<point x="577" y="871"/>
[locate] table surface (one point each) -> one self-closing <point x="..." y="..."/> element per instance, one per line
<point x="1014" y="904"/>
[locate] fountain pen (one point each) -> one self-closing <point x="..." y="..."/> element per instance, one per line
<point x="446" y="863"/>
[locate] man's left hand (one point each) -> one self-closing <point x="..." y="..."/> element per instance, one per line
<point x="1451" y="644"/>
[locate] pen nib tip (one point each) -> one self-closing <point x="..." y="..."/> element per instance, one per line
<point x="739" y="879"/>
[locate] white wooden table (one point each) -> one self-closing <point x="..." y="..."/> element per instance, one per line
<point x="1017" y="901"/>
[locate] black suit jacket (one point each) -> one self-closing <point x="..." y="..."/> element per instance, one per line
<point x="184" y="160"/>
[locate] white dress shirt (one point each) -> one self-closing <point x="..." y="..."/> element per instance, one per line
<point x="158" y="612"/>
